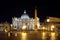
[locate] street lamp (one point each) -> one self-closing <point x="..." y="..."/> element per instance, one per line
<point x="52" y="27"/>
<point x="48" y="20"/>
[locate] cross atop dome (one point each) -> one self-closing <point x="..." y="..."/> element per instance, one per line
<point x="24" y="11"/>
<point x="25" y="15"/>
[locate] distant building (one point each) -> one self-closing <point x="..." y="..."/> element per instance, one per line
<point x="25" y="22"/>
<point x="5" y="26"/>
<point x="53" y="22"/>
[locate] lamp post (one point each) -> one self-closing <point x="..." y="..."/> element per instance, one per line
<point x="48" y="20"/>
<point x="52" y="27"/>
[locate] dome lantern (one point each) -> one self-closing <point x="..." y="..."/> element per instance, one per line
<point x="24" y="16"/>
<point x="24" y="11"/>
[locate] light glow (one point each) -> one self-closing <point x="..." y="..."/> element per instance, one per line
<point x="24" y="27"/>
<point x="52" y="26"/>
<point x="38" y="24"/>
<point x="5" y="30"/>
<point x="43" y="28"/>
<point x="48" y="20"/>
<point x="53" y="36"/>
<point x="43" y="35"/>
<point x="24" y="36"/>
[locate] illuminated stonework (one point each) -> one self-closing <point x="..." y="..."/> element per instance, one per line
<point x="24" y="20"/>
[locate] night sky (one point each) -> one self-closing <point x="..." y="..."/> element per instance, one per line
<point x="9" y="9"/>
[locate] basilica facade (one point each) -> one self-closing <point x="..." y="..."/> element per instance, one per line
<point x="24" y="22"/>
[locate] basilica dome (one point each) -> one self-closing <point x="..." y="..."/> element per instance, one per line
<point x="24" y="16"/>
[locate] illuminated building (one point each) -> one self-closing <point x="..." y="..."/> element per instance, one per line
<point x="53" y="23"/>
<point x="5" y="27"/>
<point x="25" y="22"/>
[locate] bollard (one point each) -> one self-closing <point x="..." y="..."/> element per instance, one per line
<point x="15" y="34"/>
<point x="9" y="34"/>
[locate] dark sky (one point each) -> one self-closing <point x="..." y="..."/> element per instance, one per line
<point x="9" y="9"/>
